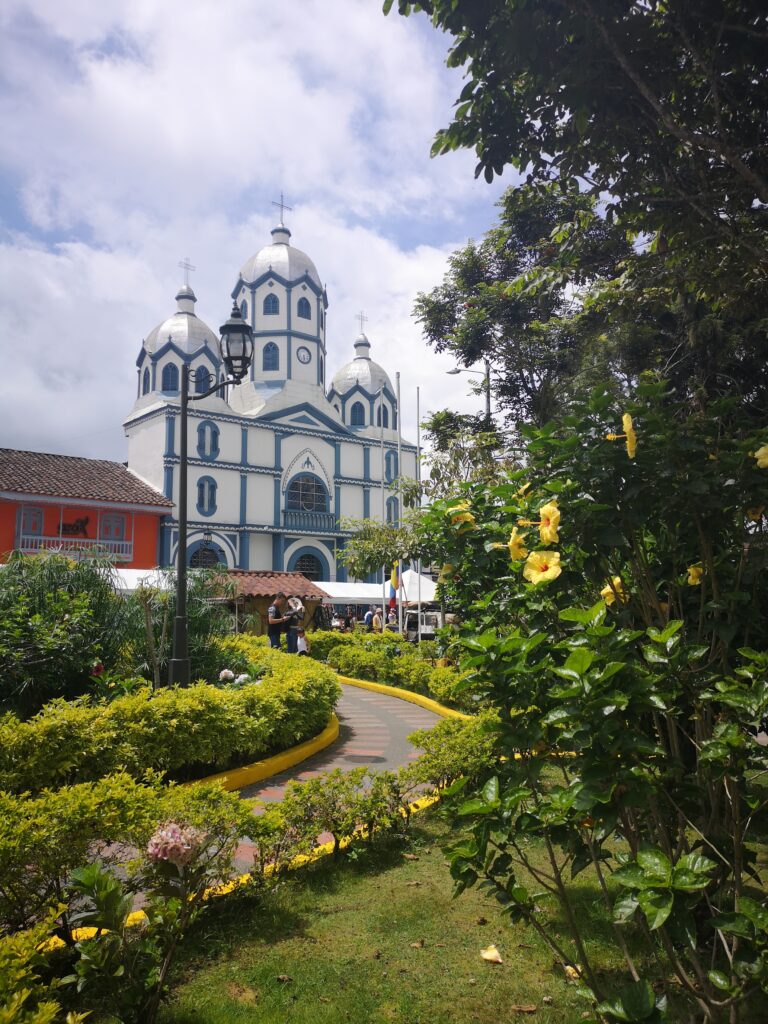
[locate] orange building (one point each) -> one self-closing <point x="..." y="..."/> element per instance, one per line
<point x="65" y="503"/>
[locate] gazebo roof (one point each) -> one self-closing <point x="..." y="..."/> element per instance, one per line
<point x="266" y="584"/>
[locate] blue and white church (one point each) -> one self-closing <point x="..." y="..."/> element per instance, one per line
<point x="284" y="458"/>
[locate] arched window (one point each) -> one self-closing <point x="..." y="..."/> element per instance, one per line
<point x="205" y="558"/>
<point x="170" y="377"/>
<point x="393" y="511"/>
<point x="206" y="495"/>
<point x="244" y="309"/>
<point x="208" y="440"/>
<point x="306" y="493"/>
<point x="271" y="305"/>
<point x="357" y="415"/>
<point x="303" y="309"/>
<point x="382" y="410"/>
<point x="309" y="566"/>
<point x="202" y="380"/>
<point x="271" y="357"/>
<point x="145" y="381"/>
<point x="390" y="466"/>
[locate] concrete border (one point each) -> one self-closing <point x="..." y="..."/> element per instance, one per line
<point x="409" y="695"/>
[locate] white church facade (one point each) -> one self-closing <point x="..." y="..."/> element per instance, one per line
<point x="277" y="465"/>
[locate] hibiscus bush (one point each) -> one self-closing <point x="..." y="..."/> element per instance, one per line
<point x="615" y="606"/>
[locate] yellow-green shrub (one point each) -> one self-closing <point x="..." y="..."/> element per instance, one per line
<point x="185" y="732"/>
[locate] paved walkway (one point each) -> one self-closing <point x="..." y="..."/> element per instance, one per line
<point x="374" y="730"/>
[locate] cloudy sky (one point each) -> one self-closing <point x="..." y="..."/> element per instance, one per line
<point x="134" y="133"/>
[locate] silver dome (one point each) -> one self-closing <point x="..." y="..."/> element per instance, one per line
<point x="185" y="329"/>
<point x="363" y="371"/>
<point x="285" y="259"/>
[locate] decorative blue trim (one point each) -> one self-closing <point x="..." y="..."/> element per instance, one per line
<point x="186" y="357"/>
<point x="243" y="496"/>
<point x="305" y="407"/>
<point x="277" y="553"/>
<point x="168" y="482"/>
<point x="243" y="550"/>
<point x="244" y="445"/>
<point x="277" y="502"/>
<point x="206" y="496"/>
<point x="208" y="427"/>
<point x="337" y="502"/>
<point x="366" y="503"/>
<point x="192" y="548"/>
<point x="366" y="463"/>
<point x="337" y="458"/>
<point x="279" y="452"/>
<point x="307" y="550"/>
<point x="170" y="425"/>
<point x="272" y="275"/>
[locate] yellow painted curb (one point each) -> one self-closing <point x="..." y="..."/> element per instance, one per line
<point x="409" y="695"/>
<point x="236" y="778"/>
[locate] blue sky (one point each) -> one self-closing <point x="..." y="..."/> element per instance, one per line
<point x="135" y="133"/>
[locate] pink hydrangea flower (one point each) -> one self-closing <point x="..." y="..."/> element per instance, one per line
<point x="176" y="844"/>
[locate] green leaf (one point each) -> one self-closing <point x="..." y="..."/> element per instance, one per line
<point x="656" y="865"/>
<point x="491" y="790"/>
<point x="624" y="908"/>
<point x="756" y="913"/>
<point x="656" y="905"/>
<point x="579" y="661"/>
<point x="720" y="980"/>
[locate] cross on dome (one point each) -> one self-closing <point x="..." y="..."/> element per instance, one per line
<point x="186" y="266"/>
<point x="282" y="206"/>
<point x="363" y="320"/>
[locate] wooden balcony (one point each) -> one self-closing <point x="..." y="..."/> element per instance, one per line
<point x="309" y="522"/>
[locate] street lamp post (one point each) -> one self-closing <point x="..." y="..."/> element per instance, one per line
<point x="486" y="373"/>
<point x="236" y="346"/>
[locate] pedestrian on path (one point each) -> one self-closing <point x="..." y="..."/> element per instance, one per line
<point x="368" y="620"/>
<point x="377" y="621"/>
<point x="302" y="643"/>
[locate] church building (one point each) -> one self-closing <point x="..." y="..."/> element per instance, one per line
<point x="284" y="458"/>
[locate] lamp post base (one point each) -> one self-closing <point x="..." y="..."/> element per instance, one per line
<point x="178" y="672"/>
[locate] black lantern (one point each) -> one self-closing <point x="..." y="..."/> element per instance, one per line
<point x="236" y="345"/>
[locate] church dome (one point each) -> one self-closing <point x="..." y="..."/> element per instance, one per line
<point x="281" y="257"/>
<point x="185" y="329"/>
<point x="362" y="370"/>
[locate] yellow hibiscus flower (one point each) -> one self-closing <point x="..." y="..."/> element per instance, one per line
<point x="629" y="435"/>
<point x="446" y="573"/>
<point x="755" y="514"/>
<point x="542" y="566"/>
<point x="516" y="545"/>
<point x="550" y="520"/>
<point x="614" y="591"/>
<point x="461" y="516"/>
<point x="762" y="457"/>
<point x="695" y="572"/>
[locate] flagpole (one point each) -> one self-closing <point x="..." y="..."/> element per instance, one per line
<point x="399" y="504"/>
<point x="418" y="488"/>
<point x="383" y="504"/>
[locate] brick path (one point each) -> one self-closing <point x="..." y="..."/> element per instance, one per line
<point x="374" y="730"/>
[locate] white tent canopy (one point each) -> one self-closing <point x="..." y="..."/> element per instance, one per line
<point x="411" y="588"/>
<point x="373" y="593"/>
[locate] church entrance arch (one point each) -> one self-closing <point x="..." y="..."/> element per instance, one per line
<point x="204" y="555"/>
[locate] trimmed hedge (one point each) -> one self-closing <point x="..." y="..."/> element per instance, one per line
<point x="406" y="670"/>
<point x="184" y="732"/>
<point x="323" y="641"/>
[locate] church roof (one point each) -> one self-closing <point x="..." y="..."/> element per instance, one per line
<point x="281" y="257"/>
<point x="185" y="329"/>
<point x="361" y="370"/>
<point x="68" y="476"/>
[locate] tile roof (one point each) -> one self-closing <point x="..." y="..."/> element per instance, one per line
<point x="267" y="584"/>
<point x="69" y="476"/>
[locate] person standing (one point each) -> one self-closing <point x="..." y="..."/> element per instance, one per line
<point x="276" y="620"/>
<point x="302" y="643"/>
<point x="368" y="619"/>
<point x="377" y="624"/>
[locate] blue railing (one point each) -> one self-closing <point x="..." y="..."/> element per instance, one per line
<point x="315" y="522"/>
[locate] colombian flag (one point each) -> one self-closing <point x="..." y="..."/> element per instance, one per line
<point x="394" y="585"/>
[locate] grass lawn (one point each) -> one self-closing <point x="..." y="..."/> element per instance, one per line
<point x="376" y="940"/>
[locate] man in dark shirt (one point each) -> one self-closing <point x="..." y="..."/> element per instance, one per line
<point x="276" y="620"/>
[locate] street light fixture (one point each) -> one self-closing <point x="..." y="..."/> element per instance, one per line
<point x="486" y="373"/>
<point x="236" y="347"/>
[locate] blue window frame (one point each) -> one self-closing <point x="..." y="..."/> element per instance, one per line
<point x="303" y="309"/>
<point x="112" y="527"/>
<point x="357" y="415"/>
<point x="202" y="380"/>
<point x="306" y="493"/>
<point x="145" y="381"/>
<point x="206" y="495"/>
<point x="390" y="466"/>
<point x="170" y="377"/>
<point x="244" y="309"/>
<point x="271" y="357"/>
<point x="31" y="521"/>
<point x="208" y="440"/>
<point x="271" y="305"/>
<point x="382" y="410"/>
<point x="393" y="511"/>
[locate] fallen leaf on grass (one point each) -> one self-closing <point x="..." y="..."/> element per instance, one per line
<point x="572" y="973"/>
<point x="417" y="945"/>
<point x="441" y="945"/>
<point x="323" y="999"/>
<point x="491" y="954"/>
<point x="410" y="856"/>
<point x="284" y="978"/>
<point x="523" y="1008"/>
<point x="413" y="883"/>
<point x="471" y="981"/>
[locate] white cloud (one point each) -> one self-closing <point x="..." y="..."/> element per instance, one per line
<point x="140" y="131"/>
